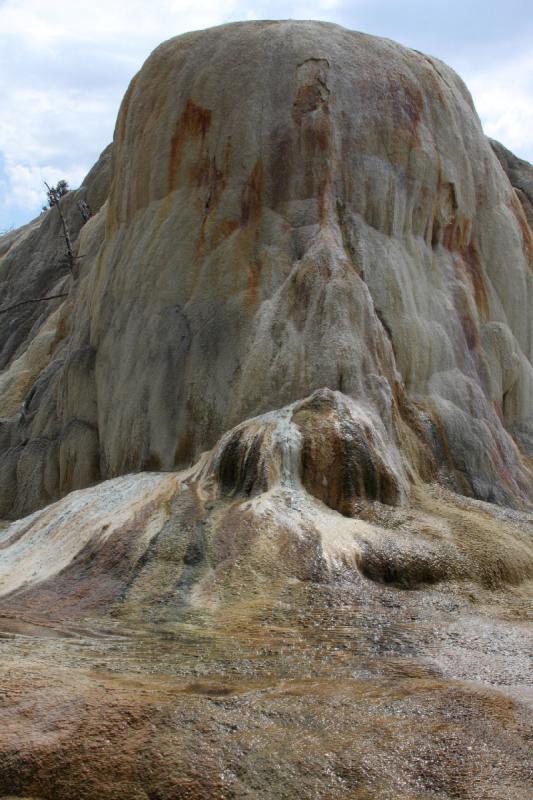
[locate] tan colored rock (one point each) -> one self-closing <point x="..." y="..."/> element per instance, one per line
<point x="293" y="206"/>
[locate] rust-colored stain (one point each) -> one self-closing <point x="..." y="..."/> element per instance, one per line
<point x="254" y="279"/>
<point x="414" y="436"/>
<point x="318" y="158"/>
<point x="313" y="91"/>
<point x="434" y="76"/>
<point x="498" y="410"/>
<point x="348" y="456"/>
<point x="193" y="124"/>
<point x="500" y="460"/>
<point x="251" y="196"/>
<point x="303" y="292"/>
<point x="308" y="98"/>
<point x="211" y="178"/>
<point x="457" y="233"/>
<point x="527" y="234"/>
<point x="474" y="270"/>
<point x="324" y="198"/>
<point x="454" y="235"/>
<point x="241" y="469"/>
<point x="396" y="98"/>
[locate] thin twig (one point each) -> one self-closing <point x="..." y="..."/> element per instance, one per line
<point x="33" y="300"/>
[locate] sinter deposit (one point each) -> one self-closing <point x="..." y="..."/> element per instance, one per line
<point x="290" y="377"/>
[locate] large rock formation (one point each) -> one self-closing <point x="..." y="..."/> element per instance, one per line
<point x="307" y="285"/>
<point x="292" y="206"/>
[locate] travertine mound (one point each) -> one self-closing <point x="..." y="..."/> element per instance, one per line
<point x="292" y="207"/>
<point x="306" y="279"/>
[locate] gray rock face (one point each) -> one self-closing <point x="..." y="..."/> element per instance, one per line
<point x="520" y="173"/>
<point x="292" y="207"/>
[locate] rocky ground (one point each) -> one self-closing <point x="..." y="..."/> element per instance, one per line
<point x="242" y="652"/>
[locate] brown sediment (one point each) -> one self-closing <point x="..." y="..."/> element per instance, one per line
<point x="456" y="235"/>
<point x="341" y="465"/>
<point x="199" y="708"/>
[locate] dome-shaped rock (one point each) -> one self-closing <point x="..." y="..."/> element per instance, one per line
<point x="292" y="206"/>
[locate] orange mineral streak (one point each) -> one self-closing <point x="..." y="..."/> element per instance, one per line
<point x="254" y="281"/>
<point x="193" y="125"/>
<point x="471" y="260"/>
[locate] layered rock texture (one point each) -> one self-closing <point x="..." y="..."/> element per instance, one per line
<point x="290" y="206"/>
<point x="293" y="363"/>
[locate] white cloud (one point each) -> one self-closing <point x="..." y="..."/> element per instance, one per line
<point x="47" y="25"/>
<point x="26" y="183"/>
<point x="504" y="100"/>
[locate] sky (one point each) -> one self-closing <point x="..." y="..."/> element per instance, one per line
<point x="65" y="65"/>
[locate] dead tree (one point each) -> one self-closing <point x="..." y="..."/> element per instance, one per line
<point x="55" y="193"/>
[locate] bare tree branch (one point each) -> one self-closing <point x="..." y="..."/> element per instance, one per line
<point x="33" y="300"/>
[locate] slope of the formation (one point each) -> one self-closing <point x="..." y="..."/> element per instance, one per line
<point x="292" y="206"/>
<point x="306" y="285"/>
<point x="222" y="633"/>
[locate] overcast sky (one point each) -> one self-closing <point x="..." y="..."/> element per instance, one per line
<point x="65" y="64"/>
